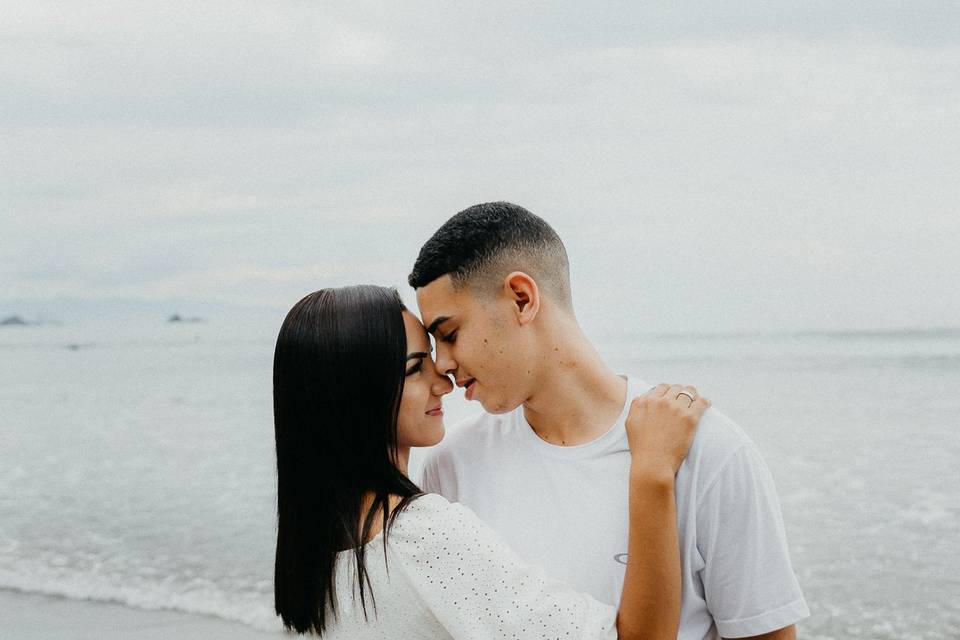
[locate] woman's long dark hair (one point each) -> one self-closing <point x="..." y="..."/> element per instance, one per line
<point x="338" y="373"/>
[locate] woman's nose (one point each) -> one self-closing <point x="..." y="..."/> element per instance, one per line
<point x="442" y="386"/>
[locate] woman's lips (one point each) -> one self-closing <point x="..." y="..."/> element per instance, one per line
<point x="436" y="411"/>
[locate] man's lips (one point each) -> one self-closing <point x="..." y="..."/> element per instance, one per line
<point x="469" y="384"/>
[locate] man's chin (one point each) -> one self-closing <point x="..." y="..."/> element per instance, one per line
<point x="495" y="407"/>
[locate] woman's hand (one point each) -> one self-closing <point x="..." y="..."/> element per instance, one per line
<point x="660" y="428"/>
<point x="661" y="425"/>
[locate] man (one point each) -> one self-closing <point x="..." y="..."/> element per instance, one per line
<point x="547" y="463"/>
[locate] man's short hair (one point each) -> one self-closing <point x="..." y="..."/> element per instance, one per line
<point x="481" y="245"/>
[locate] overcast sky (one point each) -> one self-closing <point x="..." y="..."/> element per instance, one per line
<point x="711" y="166"/>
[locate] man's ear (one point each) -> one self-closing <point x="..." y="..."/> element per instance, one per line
<point x="524" y="294"/>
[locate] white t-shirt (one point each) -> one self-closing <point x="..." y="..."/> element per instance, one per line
<point x="566" y="509"/>
<point x="446" y="575"/>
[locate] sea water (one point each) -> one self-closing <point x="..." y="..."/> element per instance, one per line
<point x="137" y="465"/>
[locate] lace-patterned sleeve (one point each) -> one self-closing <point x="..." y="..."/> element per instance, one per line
<point x="479" y="589"/>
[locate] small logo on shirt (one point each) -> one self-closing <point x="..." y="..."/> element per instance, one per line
<point x="621" y="558"/>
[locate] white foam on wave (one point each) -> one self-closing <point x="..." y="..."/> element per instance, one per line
<point x="250" y="607"/>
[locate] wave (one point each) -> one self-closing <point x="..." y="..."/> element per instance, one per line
<point x="886" y="334"/>
<point x="252" y="608"/>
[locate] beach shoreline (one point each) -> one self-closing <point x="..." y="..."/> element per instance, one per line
<point x="32" y="616"/>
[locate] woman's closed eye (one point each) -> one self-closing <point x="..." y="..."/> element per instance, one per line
<point x="415" y="368"/>
<point x="449" y="338"/>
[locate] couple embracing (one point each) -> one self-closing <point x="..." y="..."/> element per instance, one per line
<point x="580" y="504"/>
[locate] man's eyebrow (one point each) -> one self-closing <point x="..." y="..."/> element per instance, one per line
<point x="417" y="355"/>
<point x="436" y="323"/>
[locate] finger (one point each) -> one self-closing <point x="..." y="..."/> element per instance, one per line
<point x="673" y="394"/>
<point x="699" y="406"/>
<point x="689" y="394"/>
<point x="679" y="394"/>
<point x="659" y="390"/>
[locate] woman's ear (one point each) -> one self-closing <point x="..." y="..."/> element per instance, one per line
<point x="524" y="294"/>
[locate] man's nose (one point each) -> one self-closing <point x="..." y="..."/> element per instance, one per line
<point x="445" y="364"/>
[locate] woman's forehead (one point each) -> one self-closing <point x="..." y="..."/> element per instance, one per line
<point x="416" y="334"/>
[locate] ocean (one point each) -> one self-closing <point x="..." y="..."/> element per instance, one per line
<point x="137" y="464"/>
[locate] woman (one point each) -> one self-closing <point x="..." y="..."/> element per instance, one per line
<point x="362" y="553"/>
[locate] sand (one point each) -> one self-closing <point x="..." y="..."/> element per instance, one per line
<point x="25" y="616"/>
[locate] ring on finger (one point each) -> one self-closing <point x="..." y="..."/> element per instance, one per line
<point x="684" y="393"/>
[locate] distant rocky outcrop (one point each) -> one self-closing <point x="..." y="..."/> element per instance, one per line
<point x="178" y="318"/>
<point x="13" y="321"/>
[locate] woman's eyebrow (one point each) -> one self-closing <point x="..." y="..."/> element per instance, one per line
<point x="418" y="354"/>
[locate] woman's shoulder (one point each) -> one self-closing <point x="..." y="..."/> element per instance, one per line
<point x="431" y="507"/>
<point x="432" y="519"/>
<point x="430" y="501"/>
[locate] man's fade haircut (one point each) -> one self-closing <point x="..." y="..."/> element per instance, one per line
<point x="482" y="244"/>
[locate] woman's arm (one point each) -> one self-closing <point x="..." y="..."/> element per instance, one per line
<point x="650" y="602"/>
<point x="660" y="428"/>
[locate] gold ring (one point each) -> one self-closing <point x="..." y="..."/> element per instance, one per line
<point x="684" y="393"/>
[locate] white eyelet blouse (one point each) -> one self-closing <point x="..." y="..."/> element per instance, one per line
<point x="446" y="575"/>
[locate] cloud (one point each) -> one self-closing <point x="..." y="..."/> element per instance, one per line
<point x="243" y="285"/>
<point x="151" y="152"/>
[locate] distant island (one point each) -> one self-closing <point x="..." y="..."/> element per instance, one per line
<point x="178" y="318"/>
<point x="13" y="321"/>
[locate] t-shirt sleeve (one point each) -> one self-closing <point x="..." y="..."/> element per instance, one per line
<point x="430" y="480"/>
<point x="748" y="580"/>
<point x="479" y="589"/>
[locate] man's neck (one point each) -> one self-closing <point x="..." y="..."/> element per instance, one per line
<point x="578" y="397"/>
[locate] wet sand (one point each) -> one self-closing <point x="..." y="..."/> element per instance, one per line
<point x="27" y="616"/>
